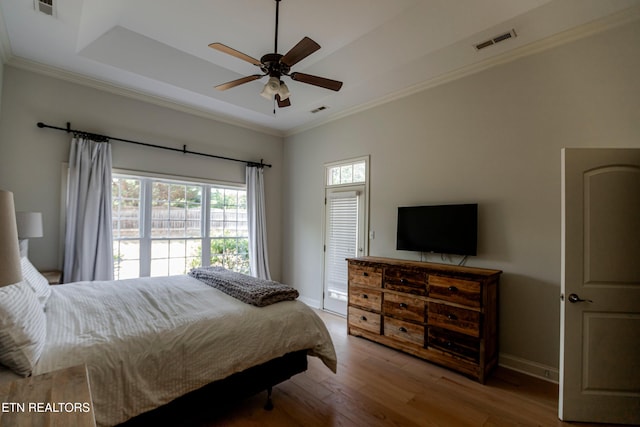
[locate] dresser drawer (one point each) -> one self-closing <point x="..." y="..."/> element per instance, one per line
<point x="466" y="292"/>
<point x="452" y="342"/>
<point x="365" y="297"/>
<point x="454" y="319"/>
<point x="404" y="307"/>
<point x="405" y="280"/>
<point x="404" y="331"/>
<point x="364" y="320"/>
<point x="365" y="276"/>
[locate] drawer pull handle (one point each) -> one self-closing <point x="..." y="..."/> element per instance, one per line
<point x="403" y="305"/>
<point x="452" y="317"/>
<point x="403" y="280"/>
<point x="363" y="318"/>
<point x="365" y="274"/>
<point x="449" y="344"/>
<point x="365" y="296"/>
<point x="402" y="329"/>
<point x="452" y="289"/>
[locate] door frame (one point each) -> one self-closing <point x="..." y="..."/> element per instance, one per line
<point x="363" y="187"/>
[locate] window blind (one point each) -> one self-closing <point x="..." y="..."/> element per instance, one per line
<point x="342" y="238"/>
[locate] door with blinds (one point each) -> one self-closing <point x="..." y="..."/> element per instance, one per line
<point x="344" y="238"/>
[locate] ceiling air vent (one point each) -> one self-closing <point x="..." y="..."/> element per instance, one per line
<point x="497" y="39"/>
<point x="317" y="110"/>
<point x="44" y="6"/>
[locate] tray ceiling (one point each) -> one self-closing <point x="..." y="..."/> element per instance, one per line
<point x="380" y="49"/>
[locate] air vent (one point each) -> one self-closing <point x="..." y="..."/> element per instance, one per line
<point x="496" y="39"/>
<point x="44" y="6"/>
<point x="317" y="110"/>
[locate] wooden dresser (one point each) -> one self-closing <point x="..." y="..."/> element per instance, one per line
<point x="442" y="313"/>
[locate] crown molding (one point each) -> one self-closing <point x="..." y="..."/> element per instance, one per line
<point x="57" y="73"/>
<point x="618" y="19"/>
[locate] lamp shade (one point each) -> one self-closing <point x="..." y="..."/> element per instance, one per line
<point x="270" y="88"/>
<point x="29" y="224"/>
<point x="10" y="268"/>
<point x="283" y="91"/>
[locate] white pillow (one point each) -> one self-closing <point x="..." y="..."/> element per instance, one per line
<point x="37" y="281"/>
<point x="23" y="328"/>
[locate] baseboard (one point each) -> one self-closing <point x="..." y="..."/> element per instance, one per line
<point x="528" y="367"/>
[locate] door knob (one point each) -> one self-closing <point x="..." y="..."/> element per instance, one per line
<point x="573" y="298"/>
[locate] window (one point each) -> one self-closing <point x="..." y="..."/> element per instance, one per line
<point x="126" y="230"/>
<point x="350" y="173"/>
<point x="229" y="229"/>
<point x="176" y="228"/>
<point x="164" y="227"/>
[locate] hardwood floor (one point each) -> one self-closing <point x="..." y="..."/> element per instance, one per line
<point x="378" y="386"/>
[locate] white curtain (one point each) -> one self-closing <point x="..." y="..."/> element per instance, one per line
<point x="88" y="251"/>
<point x="256" y="218"/>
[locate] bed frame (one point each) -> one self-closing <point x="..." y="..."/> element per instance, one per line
<point x="203" y="404"/>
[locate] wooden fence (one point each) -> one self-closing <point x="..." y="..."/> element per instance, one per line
<point x="187" y="220"/>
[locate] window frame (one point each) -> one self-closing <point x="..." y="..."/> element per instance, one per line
<point x="146" y="203"/>
<point x="343" y="163"/>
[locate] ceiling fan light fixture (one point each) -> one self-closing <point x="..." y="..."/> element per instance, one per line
<point x="283" y="91"/>
<point x="274" y="85"/>
<point x="265" y="92"/>
<point x="271" y="87"/>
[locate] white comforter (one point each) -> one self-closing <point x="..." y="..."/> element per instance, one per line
<point x="147" y="341"/>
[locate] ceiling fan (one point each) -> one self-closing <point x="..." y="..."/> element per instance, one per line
<point x="276" y="66"/>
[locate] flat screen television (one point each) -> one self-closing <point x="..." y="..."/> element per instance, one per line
<point x="445" y="229"/>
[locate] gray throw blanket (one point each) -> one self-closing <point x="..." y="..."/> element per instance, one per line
<point x="248" y="289"/>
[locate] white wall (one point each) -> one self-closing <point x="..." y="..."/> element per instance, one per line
<point x="31" y="158"/>
<point x="493" y="138"/>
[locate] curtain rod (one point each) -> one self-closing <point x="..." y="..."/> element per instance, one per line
<point x="104" y="138"/>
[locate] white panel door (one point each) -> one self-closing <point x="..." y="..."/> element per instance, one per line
<point x="344" y="238"/>
<point x="600" y="306"/>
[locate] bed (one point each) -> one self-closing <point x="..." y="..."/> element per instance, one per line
<point x="148" y="341"/>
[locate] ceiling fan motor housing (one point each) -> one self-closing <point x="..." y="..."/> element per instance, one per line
<point x="272" y="66"/>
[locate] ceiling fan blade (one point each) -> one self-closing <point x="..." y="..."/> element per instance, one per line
<point x="282" y="104"/>
<point x="238" y="82"/>
<point x="304" y="48"/>
<point x="226" y="49"/>
<point x="317" y="81"/>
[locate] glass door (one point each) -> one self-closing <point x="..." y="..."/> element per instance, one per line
<point x="344" y="238"/>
